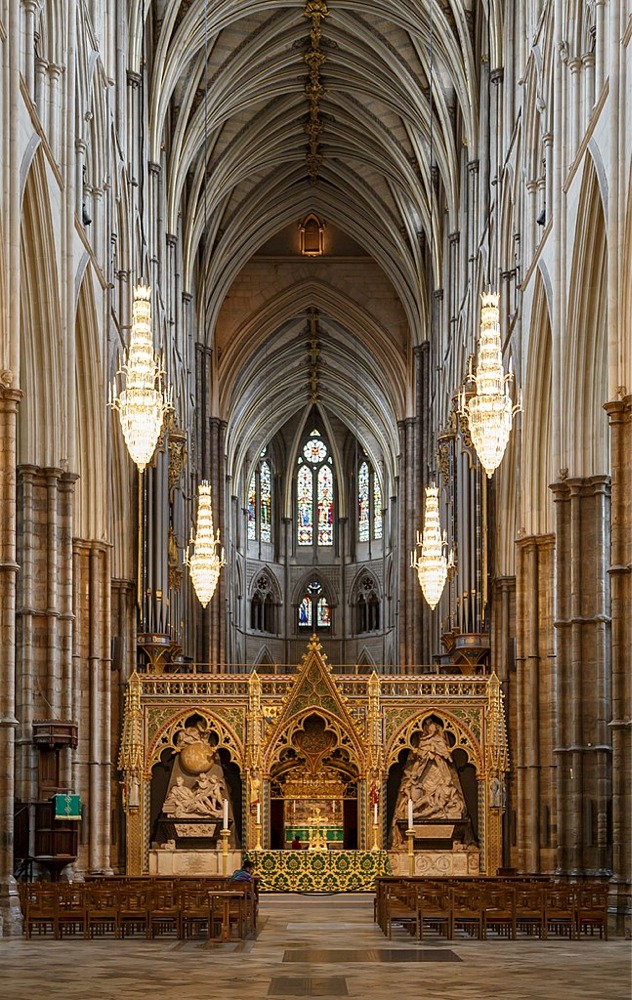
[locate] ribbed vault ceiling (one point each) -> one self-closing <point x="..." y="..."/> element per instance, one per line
<point x="228" y="110"/>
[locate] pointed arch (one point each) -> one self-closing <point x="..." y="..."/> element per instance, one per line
<point x="42" y="416"/>
<point x="537" y="450"/>
<point x="585" y="374"/>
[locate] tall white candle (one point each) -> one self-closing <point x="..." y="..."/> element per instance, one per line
<point x="225" y="814"/>
<point x="375" y="814"/>
<point x="258" y="813"/>
<point x="410" y="814"/>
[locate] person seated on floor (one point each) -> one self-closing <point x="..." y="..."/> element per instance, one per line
<point x="247" y="874"/>
<point x="296" y="843"/>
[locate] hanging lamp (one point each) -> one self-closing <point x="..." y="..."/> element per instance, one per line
<point x="490" y="409"/>
<point x="143" y="400"/>
<point x="207" y="560"/>
<point x="431" y="561"/>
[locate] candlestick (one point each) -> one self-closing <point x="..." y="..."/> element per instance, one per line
<point x="225" y="814"/>
<point x="410" y="814"/>
<point x="258" y="845"/>
<point x="411" y="851"/>
<point x="225" y="834"/>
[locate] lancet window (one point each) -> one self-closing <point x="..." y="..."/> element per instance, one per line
<point x="369" y="503"/>
<point x="262" y="607"/>
<point x="367" y="605"/>
<point x="259" y="504"/>
<point x="315" y="493"/>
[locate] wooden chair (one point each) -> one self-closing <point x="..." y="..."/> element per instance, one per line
<point x="133" y="904"/>
<point x="163" y="911"/>
<point x="592" y="909"/>
<point x="40" y="909"/>
<point x="434" y="909"/>
<point x="71" y="908"/>
<point x="400" y="907"/>
<point x="560" y="912"/>
<point x="499" y="910"/>
<point x="467" y="909"/>
<point x="530" y="908"/>
<point x="194" y="911"/>
<point x="102" y="911"/>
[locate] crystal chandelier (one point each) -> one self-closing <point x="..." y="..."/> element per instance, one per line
<point x="431" y="563"/>
<point x="144" y="401"/>
<point x="490" y="410"/>
<point x="206" y="561"/>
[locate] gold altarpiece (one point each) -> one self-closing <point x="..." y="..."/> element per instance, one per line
<point x="313" y="748"/>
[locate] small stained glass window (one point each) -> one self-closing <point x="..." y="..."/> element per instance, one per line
<point x="363" y="502"/>
<point x="377" y="508"/>
<point x="315" y="450"/>
<point x="265" y="502"/>
<point x="323" y="613"/>
<point x="252" y="508"/>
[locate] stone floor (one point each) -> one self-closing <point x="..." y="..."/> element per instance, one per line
<point x="319" y="947"/>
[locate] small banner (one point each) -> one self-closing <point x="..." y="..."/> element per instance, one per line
<point x="67" y="807"/>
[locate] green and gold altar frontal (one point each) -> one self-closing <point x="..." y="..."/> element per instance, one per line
<point x="319" y="871"/>
<point x="311" y="749"/>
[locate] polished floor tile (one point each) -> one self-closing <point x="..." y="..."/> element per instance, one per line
<point x="314" y="932"/>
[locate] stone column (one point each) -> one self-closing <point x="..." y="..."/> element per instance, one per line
<point x="620" y="570"/>
<point x="92" y="647"/>
<point x="584" y="747"/>
<point x="10" y="915"/>
<point x="533" y="761"/>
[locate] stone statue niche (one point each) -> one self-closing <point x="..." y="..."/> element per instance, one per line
<point x="193" y="808"/>
<point x="431" y="781"/>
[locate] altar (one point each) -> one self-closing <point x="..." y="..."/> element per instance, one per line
<point x="319" y="871"/>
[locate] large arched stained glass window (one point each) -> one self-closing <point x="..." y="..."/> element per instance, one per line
<point x="364" y="503"/>
<point x="315" y="493"/>
<point x="259" y="502"/>
<point x="305" y="500"/>
<point x="369" y="503"/>
<point x="265" y="502"/>
<point x="325" y="506"/>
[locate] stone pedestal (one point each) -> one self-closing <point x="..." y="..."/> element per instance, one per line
<point x="163" y="861"/>
<point x="438" y="864"/>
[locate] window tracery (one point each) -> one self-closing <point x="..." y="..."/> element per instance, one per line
<point x="367" y="605"/>
<point x="370" y="519"/>
<point x="315" y="493"/>
<point x="262" y="606"/>
<point x="314" y="610"/>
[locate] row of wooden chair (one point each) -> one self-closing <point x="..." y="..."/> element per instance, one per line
<point x="120" y="908"/>
<point x="492" y="907"/>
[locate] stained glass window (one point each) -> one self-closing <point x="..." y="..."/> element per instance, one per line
<point x="305" y="496"/>
<point x="315" y="450"/>
<point x="377" y="508"/>
<point x="363" y="502"/>
<point x="323" y="613"/>
<point x="265" y="502"/>
<point x="252" y="508"/>
<point x="325" y="506"/>
<point x="314" y="610"/>
<point x="259" y="502"/>
<point x="305" y="612"/>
